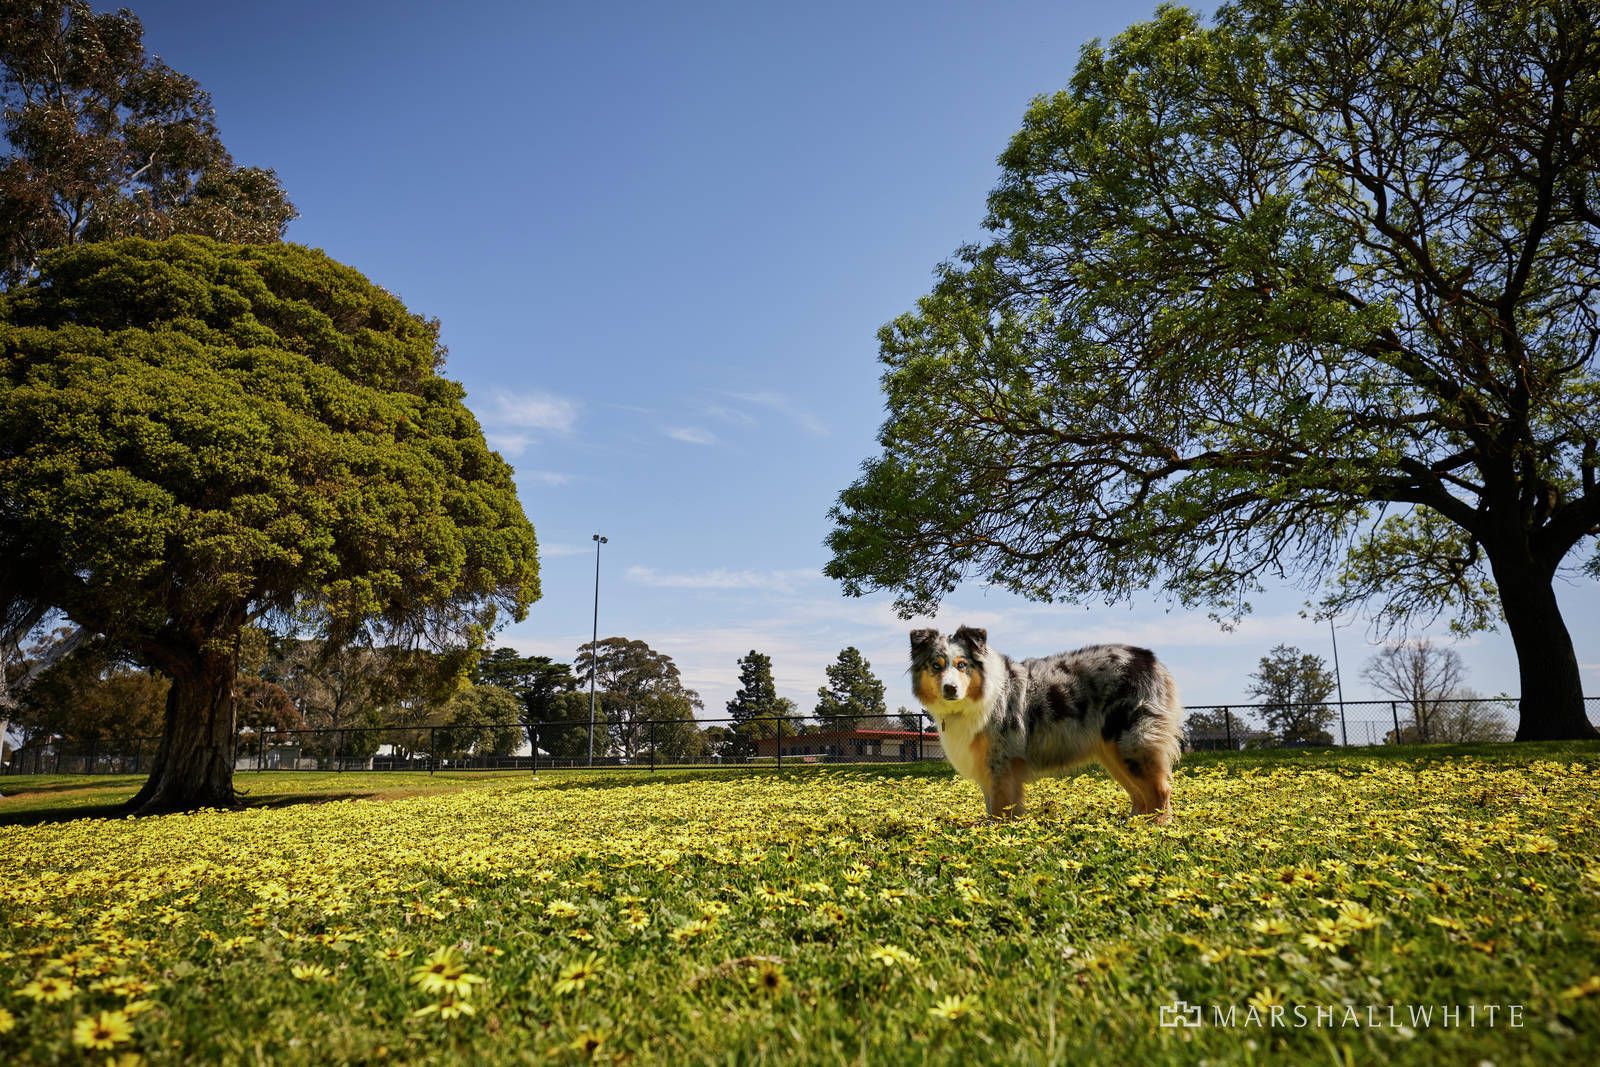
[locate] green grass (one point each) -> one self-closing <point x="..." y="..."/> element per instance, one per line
<point x="818" y="916"/>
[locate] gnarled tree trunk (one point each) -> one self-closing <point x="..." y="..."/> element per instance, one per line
<point x="194" y="764"/>
<point x="1552" y="707"/>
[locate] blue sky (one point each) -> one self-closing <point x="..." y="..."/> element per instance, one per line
<point x="660" y="239"/>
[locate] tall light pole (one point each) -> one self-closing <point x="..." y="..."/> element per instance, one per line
<point x="1344" y="730"/>
<point x="594" y="643"/>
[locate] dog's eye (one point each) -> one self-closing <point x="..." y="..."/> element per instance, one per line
<point x="938" y="664"/>
<point x="961" y="664"/>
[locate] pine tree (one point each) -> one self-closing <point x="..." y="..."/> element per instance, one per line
<point x="757" y="708"/>
<point x="853" y="693"/>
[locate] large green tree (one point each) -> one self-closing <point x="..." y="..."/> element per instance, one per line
<point x="1292" y="686"/>
<point x="1309" y="291"/>
<point x="94" y="698"/>
<point x="644" y="696"/>
<point x="544" y="689"/>
<point x="480" y="720"/>
<point x="195" y="434"/>
<point x="104" y="141"/>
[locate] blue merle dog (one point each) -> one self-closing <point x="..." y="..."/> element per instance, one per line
<point x="1004" y="722"/>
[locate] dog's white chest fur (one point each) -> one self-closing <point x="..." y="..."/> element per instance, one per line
<point x="957" y="731"/>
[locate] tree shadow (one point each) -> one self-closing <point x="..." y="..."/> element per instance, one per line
<point x="39" y="816"/>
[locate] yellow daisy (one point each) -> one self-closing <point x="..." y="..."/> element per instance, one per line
<point x="103" y="1031"/>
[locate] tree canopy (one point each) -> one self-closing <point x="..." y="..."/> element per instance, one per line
<point x="195" y="434"/>
<point x="104" y="141"/>
<point x="1308" y="292"/>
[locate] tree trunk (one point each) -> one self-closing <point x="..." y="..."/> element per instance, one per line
<point x="1552" y="707"/>
<point x="194" y="764"/>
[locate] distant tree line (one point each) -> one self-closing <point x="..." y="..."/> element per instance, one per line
<point x="1291" y="691"/>
<point x="350" y="700"/>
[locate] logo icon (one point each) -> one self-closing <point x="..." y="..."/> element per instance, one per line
<point x="1180" y="1013"/>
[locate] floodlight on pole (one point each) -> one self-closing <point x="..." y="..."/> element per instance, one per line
<point x="594" y="643"/>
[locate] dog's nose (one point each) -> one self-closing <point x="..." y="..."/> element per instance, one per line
<point x="950" y="691"/>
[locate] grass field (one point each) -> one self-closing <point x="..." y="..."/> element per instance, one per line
<point x="847" y="915"/>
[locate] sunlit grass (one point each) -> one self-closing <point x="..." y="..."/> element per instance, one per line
<point x="816" y="916"/>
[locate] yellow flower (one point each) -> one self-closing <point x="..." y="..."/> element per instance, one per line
<point x="769" y="977"/>
<point x="1327" y="937"/>
<point x="1354" y="916"/>
<point x="1272" y="926"/>
<point x="575" y="976"/>
<point x="892" y="956"/>
<point x="445" y="973"/>
<point x="448" y="1008"/>
<point x="273" y="893"/>
<point x="106" y="1030"/>
<point x="1586" y="988"/>
<point x="121" y="986"/>
<point x="49" y="989"/>
<point x="1266" y="999"/>
<point x="587" y="1043"/>
<point x="561" y="909"/>
<point x="8" y="1022"/>
<point x="310" y="972"/>
<point x="952" y="1008"/>
<point x="690" y="930"/>
<point x="392" y="953"/>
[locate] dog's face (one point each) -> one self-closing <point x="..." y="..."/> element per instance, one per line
<point x="947" y="671"/>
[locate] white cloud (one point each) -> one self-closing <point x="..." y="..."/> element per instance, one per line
<point x="782" y="581"/>
<point x="535" y="411"/>
<point x="786" y="406"/>
<point x="691" y="435"/>
<point x="727" y="414"/>
<point x="551" y="478"/>
<point x="510" y="445"/>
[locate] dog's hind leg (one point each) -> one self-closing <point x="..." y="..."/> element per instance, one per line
<point x="1145" y="777"/>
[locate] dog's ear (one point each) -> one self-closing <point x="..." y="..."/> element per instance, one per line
<point x="975" y="639"/>
<point x="922" y="638"/>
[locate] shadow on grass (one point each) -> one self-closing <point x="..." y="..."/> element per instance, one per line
<point x="43" y="813"/>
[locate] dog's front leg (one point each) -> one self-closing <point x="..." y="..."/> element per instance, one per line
<point x="1005" y="792"/>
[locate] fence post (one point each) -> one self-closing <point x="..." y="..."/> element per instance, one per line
<point x="433" y="749"/>
<point x="88" y="766"/>
<point x="652" y="746"/>
<point x="780" y="742"/>
<point x="535" y="748"/>
<point x="1394" y="710"/>
<point x="1227" y="727"/>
